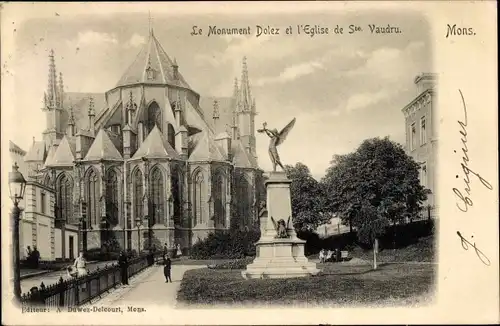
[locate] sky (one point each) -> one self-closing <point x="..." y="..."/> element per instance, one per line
<point x="342" y="89"/>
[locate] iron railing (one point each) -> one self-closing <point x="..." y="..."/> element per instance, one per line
<point x="81" y="290"/>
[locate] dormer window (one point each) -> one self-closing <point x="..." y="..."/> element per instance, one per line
<point x="150" y="73"/>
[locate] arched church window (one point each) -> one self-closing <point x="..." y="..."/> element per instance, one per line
<point x="64" y="198"/>
<point x="93" y="196"/>
<point x="176" y="190"/>
<point x="199" y="198"/>
<point x="171" y="135"/>
<point x="157" y="196"/>
<point x="220" y="199"/>
<point x="112" y="201"/>
<point x="138" y="194"/>
<point x="244" y="196"/>
<point x="154" y="117"/>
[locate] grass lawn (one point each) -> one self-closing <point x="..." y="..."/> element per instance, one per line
<point x="337" y="285"/>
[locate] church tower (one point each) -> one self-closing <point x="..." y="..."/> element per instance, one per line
<point x="246" y="113"/>
<point x="53" y="102"/>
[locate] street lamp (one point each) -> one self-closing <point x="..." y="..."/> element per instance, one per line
<point x="138" y="223"/>
<point x="17" y="186"/>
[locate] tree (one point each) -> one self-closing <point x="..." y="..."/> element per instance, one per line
<point x="374" y="186"/>
<point x="307" y="199"/>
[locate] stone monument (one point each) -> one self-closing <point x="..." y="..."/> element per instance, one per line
<point x="280" y="254"/>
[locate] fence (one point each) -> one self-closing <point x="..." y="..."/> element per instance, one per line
<point x="81" y="290"/>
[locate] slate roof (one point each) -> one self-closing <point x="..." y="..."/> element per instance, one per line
<point x="226" y="106"/>
<point x="206" y="150"/>
<point x="103" y="148"/>
<point x="156" y="146"/>
<point x="80" y="104"/>
<point x="64" y="154"/>
<point x="154" y="56"/>
<point x="15" y="148"/>
<point x="37" y="152"/>
<point x="241" y="158"/>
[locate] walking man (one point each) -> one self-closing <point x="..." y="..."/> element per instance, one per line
<point x="123" y="262"/>
<point x="167" y="269"/>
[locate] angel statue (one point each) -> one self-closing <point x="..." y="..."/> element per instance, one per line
<point x="277" y="138"/>
<point x="281" y="227"/>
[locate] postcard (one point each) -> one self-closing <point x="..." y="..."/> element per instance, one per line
<point x="252" y="163"/>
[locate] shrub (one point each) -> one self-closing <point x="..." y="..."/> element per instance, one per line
<point x="232" y="264"/>
<point x="231" y="244"/>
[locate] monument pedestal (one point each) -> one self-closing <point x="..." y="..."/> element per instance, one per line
<point x="279" y="257"/>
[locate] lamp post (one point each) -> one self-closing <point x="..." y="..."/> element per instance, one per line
<point x="17" y="186"/>
<point x="138" y="223"/>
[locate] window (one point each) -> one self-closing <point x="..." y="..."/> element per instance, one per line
<point x="220" y="200"/>
<point x="42" y="203"/>
<point x="199" y="198"/>
<point x="244" y="199"/>
<point x="93" y="196"/>
<point x="138" y="194"/>
<point x="423" y="175"/>
<point x="176" y="190"/>
<point x="154" y="118"/>
<point x="171" y="135"/>
<point x="413" y="136"/>
<point x="112" y="202"/>
<point x="64" y="198"/>
<point x="156" y="196"/>
<point x="423" y="132"/>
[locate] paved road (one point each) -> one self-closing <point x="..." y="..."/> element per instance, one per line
<point x="150" y="288"/>
<point x="53" y="277"/>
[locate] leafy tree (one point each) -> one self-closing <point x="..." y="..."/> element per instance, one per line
<point x="374" y="186"/>
<point x="307" y="199"/>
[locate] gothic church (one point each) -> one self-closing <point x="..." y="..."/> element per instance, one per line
<point x="149" y="162"/>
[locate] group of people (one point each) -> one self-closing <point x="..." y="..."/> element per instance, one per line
<point x="79" y="267"/>
<point x="32" y="257"/>
<point x="330" y="255"/>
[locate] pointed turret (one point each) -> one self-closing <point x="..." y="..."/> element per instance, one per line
<point x="52" y="106"/>
<point x="235" y="104"/>
<point x="91" y="114"/>
<point x="131" y="108"/>
<point x="246" y="113"/>
<point x="245" y="98"/>
<point x="216" y="114"/>
<point x="61" y="90"/>
<point x="71" y="130"/>
<point x="52" y="83"/>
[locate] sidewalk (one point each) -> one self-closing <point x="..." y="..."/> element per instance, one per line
<point x="150" y="288"/>
<point x="52" y="277"/>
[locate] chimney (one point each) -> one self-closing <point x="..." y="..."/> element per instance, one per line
<point x="175" y="68"/>
<point x="424" y="82"/>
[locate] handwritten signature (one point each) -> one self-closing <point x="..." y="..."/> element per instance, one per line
<point x="466" y="243"/>
<point x="465" y="200"/>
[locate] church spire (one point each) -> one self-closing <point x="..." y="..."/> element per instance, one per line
<point x="245" y="95"/>
<point x="150" y="19"/>
<point x="52" y="84"/>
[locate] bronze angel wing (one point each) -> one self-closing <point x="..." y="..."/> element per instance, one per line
<point x="283" y="133"/>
